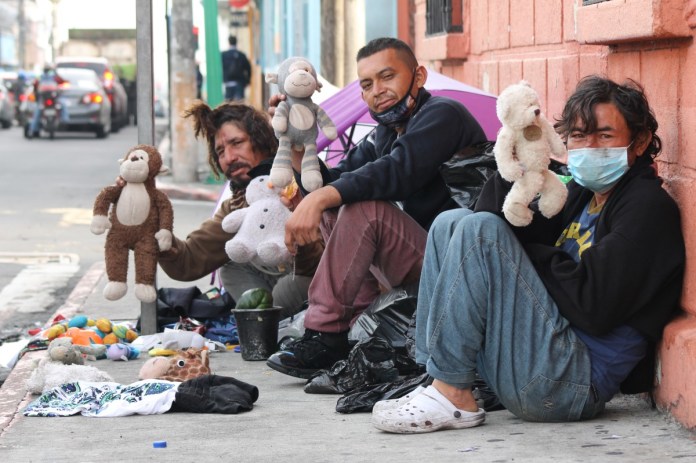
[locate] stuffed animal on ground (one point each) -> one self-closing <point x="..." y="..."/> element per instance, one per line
<point x="295" y="122"/>
<point x="48" y="374"/>
<point x="64" y="351"/>
<point x="186" y="364"/>
<point x="259" y="228"/>
<point x="523" y="152"/>
<point x="83" y="337"/>
<point x="121" y="351"/>
<point x="141" y="220"/>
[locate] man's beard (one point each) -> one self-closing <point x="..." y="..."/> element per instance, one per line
<point x="237" y="182"/>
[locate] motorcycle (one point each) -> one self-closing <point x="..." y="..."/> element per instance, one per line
<point x="49" y="107"/>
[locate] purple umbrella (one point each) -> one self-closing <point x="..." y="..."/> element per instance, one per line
<point x="353" y="121"/>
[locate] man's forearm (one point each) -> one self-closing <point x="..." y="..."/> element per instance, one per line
<point x="326" y="197"/>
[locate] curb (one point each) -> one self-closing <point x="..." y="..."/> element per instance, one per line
<point x="13" y="393"/>
<point x="174" y="191"/>
<point x="184" y="192"/>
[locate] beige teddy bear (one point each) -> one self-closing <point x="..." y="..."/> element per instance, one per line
<point x="523" y="152"/>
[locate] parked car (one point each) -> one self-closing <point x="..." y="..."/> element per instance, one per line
<point x="7" y="107"/>
<point x="17" y="83"/>
<point x="112" y="84"/>
<point x="83" y="97"/>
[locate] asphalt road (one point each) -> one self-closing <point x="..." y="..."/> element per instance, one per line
<point x="47" y="190"/>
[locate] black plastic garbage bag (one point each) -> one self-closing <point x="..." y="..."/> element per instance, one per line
<point x="391" y="317"/>
<point x="467" y="171"/>
<point x="370" y="362"/>
<point x="364" y="398"/>
<point x="388" y="317"/>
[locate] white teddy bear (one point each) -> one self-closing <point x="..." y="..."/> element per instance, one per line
<point x="259" y="228"/>
<point x="48" y="374"/>
<point x="522" y="151"/>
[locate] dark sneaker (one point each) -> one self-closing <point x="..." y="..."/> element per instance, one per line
<point x="312" y="352"/>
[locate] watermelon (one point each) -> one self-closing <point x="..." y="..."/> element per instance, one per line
<point x="255" y="298"/>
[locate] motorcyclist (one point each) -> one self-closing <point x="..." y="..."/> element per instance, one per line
<point x="49" y="78"/>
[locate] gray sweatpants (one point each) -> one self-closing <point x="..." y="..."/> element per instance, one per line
<point x="288" y="292"/>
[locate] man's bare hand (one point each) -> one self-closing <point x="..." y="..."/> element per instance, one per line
<point x="302" y="228"/>
<point x="291" y="202"/>
<point x="273" y="102"/>
<point x="120" y="181"/>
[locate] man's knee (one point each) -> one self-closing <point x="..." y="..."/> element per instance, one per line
<point x="366" y="210"/>
<point x="290" y="293"/>
<point x="450" y="218"/>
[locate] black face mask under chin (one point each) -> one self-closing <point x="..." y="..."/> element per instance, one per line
<point x="398" y="114"/>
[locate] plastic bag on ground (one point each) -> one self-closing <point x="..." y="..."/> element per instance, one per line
<point x="292" y="326"/>
<point x="388" y="317"/>
<point x="370" y="362"/>
<point x="364" y="398"/>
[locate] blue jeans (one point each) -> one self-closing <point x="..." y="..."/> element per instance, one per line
<point x="482" y="307"/>
<point x="234" y="90"/>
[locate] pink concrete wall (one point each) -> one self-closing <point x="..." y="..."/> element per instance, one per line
<point x="552" y="44"/>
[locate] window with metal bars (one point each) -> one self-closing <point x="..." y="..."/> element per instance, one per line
<point x="443" y="16"/>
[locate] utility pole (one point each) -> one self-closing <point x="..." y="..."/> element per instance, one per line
<point x="354" y="37"/>
<point x="146" y="117"/>
<point x="22" y="35"/>
<point x="332" y="41"/>
<point x="182" y="76"/>
<point x="53" y="40"/>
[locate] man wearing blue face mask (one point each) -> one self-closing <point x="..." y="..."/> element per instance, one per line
<point x="375" y="207"/>
<point x="558" y="316"/>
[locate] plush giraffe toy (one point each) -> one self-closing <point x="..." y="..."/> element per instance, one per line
<point x="186" y="364"/>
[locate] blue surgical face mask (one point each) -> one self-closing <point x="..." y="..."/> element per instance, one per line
<point x="598" y="169"/>
<point x="397" y="114"/>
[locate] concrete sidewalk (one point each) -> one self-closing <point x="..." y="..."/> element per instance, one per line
<point x="287" y="424"/>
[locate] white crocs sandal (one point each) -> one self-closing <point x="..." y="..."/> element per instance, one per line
<point x="427" y="412"/>
<point x="391" y="404"/>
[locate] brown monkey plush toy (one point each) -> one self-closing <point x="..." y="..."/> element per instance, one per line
<point x="141" y="220"/>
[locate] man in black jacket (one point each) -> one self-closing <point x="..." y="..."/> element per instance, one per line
<point x="377" y="204"/>
<point x="558" y="316"/>
<point x="236" y="71"/>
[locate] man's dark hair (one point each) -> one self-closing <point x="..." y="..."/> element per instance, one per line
<point x="629" y="98"/>
<point x="386" y="43"/>
<point x="232" y="40"/>
<point x="207" y="122"/>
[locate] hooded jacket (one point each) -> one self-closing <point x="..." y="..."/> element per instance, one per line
<point x="632" y="274"/>
<point x="406" y="167"/>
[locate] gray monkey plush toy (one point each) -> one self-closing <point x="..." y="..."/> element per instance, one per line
<point x="295" y="123"/>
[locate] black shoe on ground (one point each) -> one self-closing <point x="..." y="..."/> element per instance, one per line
<point x="312" y="352"/>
